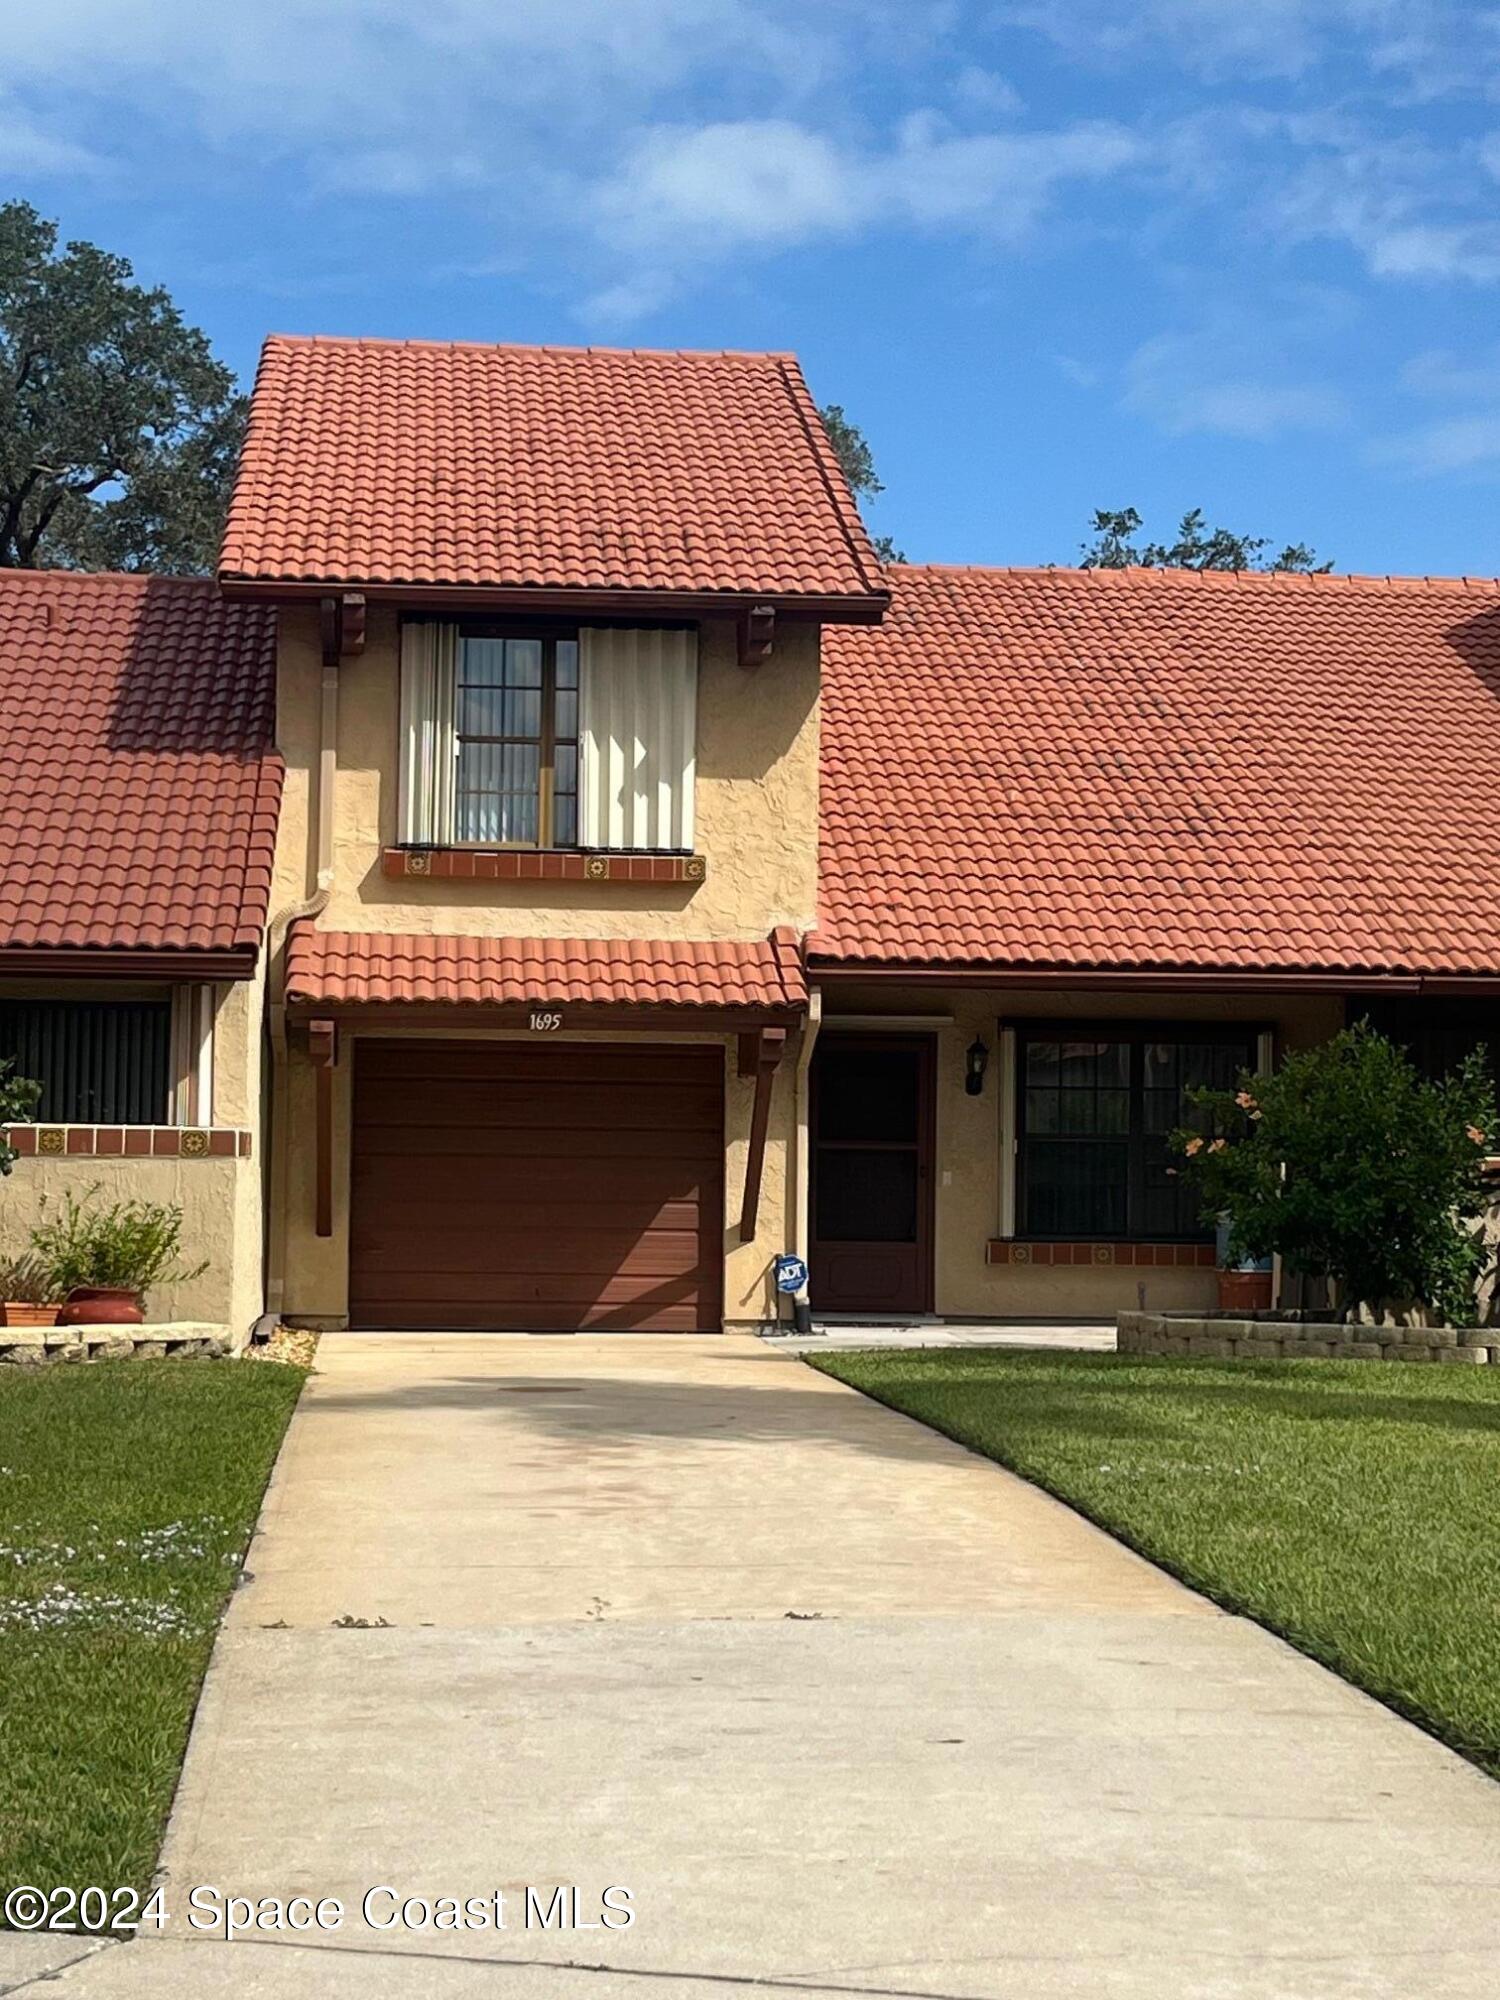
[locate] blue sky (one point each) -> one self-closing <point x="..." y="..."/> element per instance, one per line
<point x="1243" y="254"/>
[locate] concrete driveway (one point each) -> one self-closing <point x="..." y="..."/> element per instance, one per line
<point x="846" y="1709"/>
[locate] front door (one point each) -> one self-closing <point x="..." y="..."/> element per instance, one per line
<point x="872" y="1140"/>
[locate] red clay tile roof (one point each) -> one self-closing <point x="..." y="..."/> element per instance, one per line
<point x="138" y="787"/>
<point x="1151" y="769"/>
<point x="412" y="462"/>
<point x="361" y="968"/>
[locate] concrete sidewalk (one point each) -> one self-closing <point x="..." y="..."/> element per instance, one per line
<point x="845" y="1708"/>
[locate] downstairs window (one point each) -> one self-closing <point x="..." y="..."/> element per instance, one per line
<point x="1095" y="1107"/>
<point x="99" y="1062"/>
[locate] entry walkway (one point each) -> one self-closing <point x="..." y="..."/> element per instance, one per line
<point x="847" y="1710"/>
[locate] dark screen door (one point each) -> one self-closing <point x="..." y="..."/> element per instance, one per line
<point x="872" y="1174"/>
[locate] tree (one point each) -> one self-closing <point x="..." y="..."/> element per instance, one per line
<point x="852" y="450"/>
<point x="1347" y="1164"/>
<point x="119" y="431"/>
<point x="1197" y="547"/>
<point x="19" y="1098"/>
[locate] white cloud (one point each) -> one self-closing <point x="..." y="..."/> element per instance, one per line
<point x="1227" y="382"/>
<point x="411" y="83"/>
<point x="686" y="191"/>
<point x="1409" y="50"/>
<point x="756" y="181"/>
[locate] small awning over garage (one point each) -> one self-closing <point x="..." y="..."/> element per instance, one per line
<point x="338" y="972"/>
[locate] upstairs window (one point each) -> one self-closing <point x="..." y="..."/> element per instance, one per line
<point x="517" y="729"/>
<point x="555" y="739"/>
<point x="1097" y="1106"/>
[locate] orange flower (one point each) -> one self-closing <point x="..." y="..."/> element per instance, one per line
<point x="1475" y="1134"/>
<point x="1193" y="1146"/>
<point x="1218" y="1145"/>
<point x="1245" y="1101"/>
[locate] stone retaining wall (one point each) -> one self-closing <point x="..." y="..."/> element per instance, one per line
<point x="35" y="1346"/>
<point x="1225" y="1339"/>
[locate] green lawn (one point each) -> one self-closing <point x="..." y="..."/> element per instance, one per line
<point x="1353" y="1507"/>
<point x="128" y="1490"/>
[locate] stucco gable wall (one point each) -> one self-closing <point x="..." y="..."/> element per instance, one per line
<point x="756" y="804"/>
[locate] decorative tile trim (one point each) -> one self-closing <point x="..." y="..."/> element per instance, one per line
<point x="1196" y="1256"/>
<point x="530" y="864"/>
<point x="157" y="1142"/>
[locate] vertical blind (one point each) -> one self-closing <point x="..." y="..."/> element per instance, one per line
<point x="105" y="1062"/>
<point x="429" y="660"/>
<point x="638" y="734"/>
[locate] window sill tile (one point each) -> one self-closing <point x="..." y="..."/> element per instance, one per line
<point x="531" y="864"/>
<point x="1137" y="1256"/>
<point x="134" y="1142"/>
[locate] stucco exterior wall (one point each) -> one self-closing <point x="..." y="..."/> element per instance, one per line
<point x="220" y="1202"/>
<point x="221" y="1199"/>
<point x="318" y="1267"/>
<point x="967" y="1194"/>
<point x="756" y="804"/>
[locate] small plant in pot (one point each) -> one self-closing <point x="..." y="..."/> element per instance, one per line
<point x="103" y="1261"/>
<point x="29" y="1295"/>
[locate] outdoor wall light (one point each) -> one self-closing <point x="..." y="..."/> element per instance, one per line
<point x="976" y="1062"/>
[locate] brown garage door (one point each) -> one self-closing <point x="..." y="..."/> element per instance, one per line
<point x="506" y="1185"/>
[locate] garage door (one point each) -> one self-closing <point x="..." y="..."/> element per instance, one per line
<point x="554" y="1188"/>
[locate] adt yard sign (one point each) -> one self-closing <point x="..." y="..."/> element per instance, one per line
<point x="791" y="1274"/>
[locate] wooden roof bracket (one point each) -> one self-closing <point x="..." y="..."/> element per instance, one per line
<point x="343" y="625"/>
<point x="757" y="635"/>
<point x="323" y="1046"/>
<point x="770" y="1047"/>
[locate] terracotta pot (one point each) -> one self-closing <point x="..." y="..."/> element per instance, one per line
<point x="26" y="1312"/>
<point x="102" y="1305"/>
<point x="1244" y="1291"/>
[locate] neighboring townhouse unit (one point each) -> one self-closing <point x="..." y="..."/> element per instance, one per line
<point x="138" y="798"/>
<point x="660" y="884"/>
<point x="1126" y="832"/>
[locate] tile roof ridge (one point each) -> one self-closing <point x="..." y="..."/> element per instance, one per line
<point x="1152" y="575"/>
<point x="385" y="342"/>
<point x="8" y="576"/>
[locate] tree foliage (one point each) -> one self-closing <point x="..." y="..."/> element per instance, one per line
<point x="852" y="450"/>
<point x="1348" y="1164"/>
<point x="1115" y="546"/>
<point x="19" y="1098"/>
<point x="119" y="431"/>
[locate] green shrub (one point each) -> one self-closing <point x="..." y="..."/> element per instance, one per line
<point x="131" y="1244"/>
<point x="19" y="1098"/>
<point x="1348" y="1165"/>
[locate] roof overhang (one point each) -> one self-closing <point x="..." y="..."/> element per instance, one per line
<point x="549" y="602"/>
<point x="126" y="962"/>
<point x="1166" y="979"/>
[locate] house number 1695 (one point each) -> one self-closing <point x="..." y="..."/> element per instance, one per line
<point x="546" y="1024"/>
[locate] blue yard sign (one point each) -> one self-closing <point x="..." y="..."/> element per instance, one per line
<point x="791" y="1274"/>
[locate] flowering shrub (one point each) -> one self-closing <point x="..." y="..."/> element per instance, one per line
<point x="1348" y="1165"/>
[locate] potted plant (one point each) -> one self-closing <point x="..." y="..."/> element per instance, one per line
<point x="103" y="1261"/>
<point x="29" y="1294"/>
<point x="1244" y="1282"/>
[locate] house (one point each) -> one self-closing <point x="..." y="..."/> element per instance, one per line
<point x="139" y="786"/>
<point x="642" y="882"/>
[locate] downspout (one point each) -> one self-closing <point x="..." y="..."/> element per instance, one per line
<point x="801" y="1304"/>
<point x="311" y="906"/>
